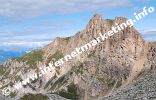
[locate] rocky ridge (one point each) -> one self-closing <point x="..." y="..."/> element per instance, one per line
<point x="103" y="72"/>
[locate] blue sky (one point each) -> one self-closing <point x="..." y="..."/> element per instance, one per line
<point x="30" y="24"/>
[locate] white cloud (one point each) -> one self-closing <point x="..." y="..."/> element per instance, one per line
<point x="33" y="8"/>
<point x="149" y="35"/>
<point x="22" y="45"/>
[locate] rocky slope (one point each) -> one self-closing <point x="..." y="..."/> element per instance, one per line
<point x="107" y="71"/>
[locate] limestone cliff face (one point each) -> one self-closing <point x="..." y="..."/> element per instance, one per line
<point x="99" y="72"/>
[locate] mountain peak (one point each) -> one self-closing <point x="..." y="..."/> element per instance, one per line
<point x="95" y="22"/>
<point x="97" y="16"/>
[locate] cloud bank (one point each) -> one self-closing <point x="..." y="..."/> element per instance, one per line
<point x="22" y="45"/>
<point x="34" y="8"/>
<point x="149" y="35"/>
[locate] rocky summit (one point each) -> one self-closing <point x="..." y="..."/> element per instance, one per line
<point x="123" y="67"/>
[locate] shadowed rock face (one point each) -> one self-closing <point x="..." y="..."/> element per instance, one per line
<point x="100" y="72"/>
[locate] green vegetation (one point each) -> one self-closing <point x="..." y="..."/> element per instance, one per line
<point x="2" y="71"/>
<point x="5" y="72"/>
<point x="61" y="80"/>
<point x="101" y="79"/>
<point x="32" y="57"/>
<point x="56" y="56"/>
<point x="4" y="86"/>
<point x="78" y="33"/>
<point x="12" y="94"/>
<point x="17" y="78"/>
<point x="67" y="38"/>
<point x="78" y="69"/>
<point x="92" y="54"/>
<point x="119" y="83"/>
<point x="110" y="83"/>
<point x="110" y="21"/>
<point x="34" y="97"/>
<point x="71" y="93"/>
<point x="154" y="43"/>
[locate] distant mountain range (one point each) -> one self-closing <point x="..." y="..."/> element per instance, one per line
<point x="5" y="55"/>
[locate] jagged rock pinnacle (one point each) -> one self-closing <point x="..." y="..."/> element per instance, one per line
<point x="95" y="22"/>
<point x="96" y="17"/>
